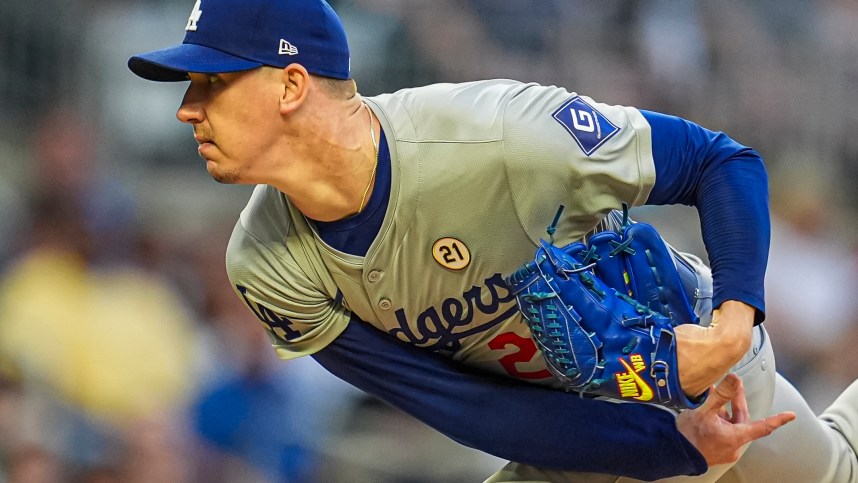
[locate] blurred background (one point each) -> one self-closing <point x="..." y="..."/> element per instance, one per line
<point x="124" y="355"/>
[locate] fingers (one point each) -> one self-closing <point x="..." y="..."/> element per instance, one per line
<point x="718" y="437"/>
<point x="765" y="427"/>
<point x="723" y="393"/>
<point x="739" y="405"/>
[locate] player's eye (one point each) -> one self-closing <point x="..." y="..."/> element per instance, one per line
<point x="213" y="78"/>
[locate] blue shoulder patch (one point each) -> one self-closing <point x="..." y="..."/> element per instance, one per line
<point x="588" y="127"/>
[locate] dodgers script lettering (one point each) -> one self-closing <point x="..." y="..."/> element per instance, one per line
<point x="435" y="328"/>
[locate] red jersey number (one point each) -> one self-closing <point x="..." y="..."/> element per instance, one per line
<point x="526" y="351"/>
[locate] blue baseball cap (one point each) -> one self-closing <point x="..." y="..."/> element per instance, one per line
<point x="236" y="35"/>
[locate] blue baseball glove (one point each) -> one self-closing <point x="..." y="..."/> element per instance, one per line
<point x="637" y="262"/>
<point x="597" y="339"/>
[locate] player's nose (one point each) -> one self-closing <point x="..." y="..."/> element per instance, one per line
<point x="191" y="110"/>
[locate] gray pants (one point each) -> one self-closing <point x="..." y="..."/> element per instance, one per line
<point x="811" y="449"/>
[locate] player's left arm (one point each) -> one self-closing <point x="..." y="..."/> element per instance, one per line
<point x="728" y="185"/>
<point x="513" y="419"/>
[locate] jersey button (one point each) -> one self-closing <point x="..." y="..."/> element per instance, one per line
<point x="384" y="304"/>
<point x="374" y="276"/>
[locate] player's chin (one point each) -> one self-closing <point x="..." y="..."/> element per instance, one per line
<point x="222" y="176"/>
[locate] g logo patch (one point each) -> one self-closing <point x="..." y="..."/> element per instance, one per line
<point x="451" y="253"/>
<point x="588" y="127"/>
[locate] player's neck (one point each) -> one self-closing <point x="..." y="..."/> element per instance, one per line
<point x="335" y="175"/>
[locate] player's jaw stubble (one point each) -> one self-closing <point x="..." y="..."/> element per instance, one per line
<point x="222" y="176"/>
<point x="216" y="171"/>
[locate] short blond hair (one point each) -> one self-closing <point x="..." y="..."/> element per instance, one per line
<point x="337" y="88"/>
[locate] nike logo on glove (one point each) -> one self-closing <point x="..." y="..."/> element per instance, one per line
<point x="632" y="385"/>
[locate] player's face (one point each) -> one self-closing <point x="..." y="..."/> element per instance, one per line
<point x="235" y="118"/>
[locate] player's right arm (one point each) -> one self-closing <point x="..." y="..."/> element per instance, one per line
<point x="728" y="185"/>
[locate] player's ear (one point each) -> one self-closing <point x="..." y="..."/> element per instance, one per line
<point x="296" y="83"/>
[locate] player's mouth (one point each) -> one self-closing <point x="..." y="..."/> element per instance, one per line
<point x="205" y="144"/>
<point x="202" y="139"/>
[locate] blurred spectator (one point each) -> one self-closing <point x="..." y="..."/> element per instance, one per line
<point x="810" y="286"/>
<point x="65" y="164"/>
<point x="97" y="349"/>
<point x="254" y="426"/>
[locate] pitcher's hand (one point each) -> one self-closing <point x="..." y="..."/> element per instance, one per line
<point x="719" y="435"/>
<point x="705" y="354"/>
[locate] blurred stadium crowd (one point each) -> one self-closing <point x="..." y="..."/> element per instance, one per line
<point x="125" y="356"/>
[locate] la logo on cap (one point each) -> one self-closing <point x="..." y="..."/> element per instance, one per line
<point x="196" y="13"/>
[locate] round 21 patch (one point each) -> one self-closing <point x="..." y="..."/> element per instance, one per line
<point x="451" y="253"/>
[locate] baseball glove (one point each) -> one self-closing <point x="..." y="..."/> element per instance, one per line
<point x="595" y="337"/>
<point x="637" y="262"/>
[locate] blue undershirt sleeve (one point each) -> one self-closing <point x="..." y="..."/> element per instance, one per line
<point x="510" y="419"/>
<point x="727" y="183"/>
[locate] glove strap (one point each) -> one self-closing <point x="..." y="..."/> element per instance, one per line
<point x="660" y="370"/>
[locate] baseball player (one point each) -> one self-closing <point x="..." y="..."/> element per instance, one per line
<point x="400" y="214"/>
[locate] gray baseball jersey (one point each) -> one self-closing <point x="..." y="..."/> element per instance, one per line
<point x="433" y="276"/>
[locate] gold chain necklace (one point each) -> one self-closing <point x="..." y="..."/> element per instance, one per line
<point x="375" y="164"/>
